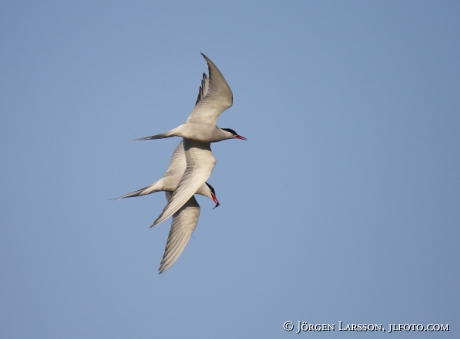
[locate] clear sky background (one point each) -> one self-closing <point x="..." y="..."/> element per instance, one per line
<point x="343" y="205"/>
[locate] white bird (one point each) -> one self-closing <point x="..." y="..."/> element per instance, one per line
<point x="186" y="218"/>
<point x="198" y="132"/>
<point x="214" y="97"/>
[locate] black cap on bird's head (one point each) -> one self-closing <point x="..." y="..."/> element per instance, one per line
<point x="213" y="195"/>
<point x="235" y="135"/>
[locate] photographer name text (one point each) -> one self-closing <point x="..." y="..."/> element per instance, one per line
<point x="303" y="326"/>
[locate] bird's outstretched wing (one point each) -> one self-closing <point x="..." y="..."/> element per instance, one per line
<point x="183" y="224"/>
<point x="215" y="97"/>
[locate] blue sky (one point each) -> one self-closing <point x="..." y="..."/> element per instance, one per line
<point x="343" y="205"/>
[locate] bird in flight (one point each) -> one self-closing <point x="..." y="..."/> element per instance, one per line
<point x="184" y="221"/>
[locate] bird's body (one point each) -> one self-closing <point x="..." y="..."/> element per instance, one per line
<point x="196" y="131"/>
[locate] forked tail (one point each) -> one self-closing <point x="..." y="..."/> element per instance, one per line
<point x="143" y="191"/>
<point x="158" y="136"/>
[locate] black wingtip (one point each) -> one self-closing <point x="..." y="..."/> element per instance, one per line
<point x="205" y="57"/>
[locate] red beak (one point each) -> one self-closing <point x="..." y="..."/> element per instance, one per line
<point x="240" y="137"/>
<point x="215" y="200"/>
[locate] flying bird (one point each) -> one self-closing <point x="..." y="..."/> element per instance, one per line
<point x="186" y="218"/>
<point x="214" y="97"/>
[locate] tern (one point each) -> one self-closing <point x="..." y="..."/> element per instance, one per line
<point x="186" y="218"/>
<point x="214" y="98"/>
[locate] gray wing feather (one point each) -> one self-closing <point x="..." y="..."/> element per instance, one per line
<point x="183" y="224"/>
<point x="203" y="88"/>
<point x="177" y="164"/>
<point x="218" y="98"/>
